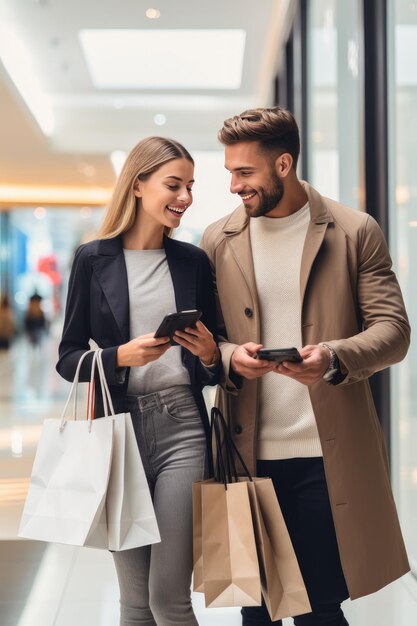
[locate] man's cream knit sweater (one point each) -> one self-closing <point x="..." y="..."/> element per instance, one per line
<point x="287" y="423"/>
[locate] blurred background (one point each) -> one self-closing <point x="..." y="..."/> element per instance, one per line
<point x="80" y="84"/>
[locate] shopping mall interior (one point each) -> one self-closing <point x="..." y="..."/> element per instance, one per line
<point x="80" y="84"/>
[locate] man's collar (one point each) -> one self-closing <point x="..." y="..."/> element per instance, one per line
<point x="320" y="214"/>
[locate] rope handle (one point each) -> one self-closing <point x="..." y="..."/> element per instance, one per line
<point x="106" y="397"/>
<point x="226" y="465"/>
<point x="74" y="389"/>
<point x="96" y="364"/>
<point x="107" y="401"/>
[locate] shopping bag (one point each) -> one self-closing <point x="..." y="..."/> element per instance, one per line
<point x="281" y="580"/>
<point x="198" y="584"/>
<point x="230" y="565"/>
<point x="225" y="558"/>
<point x="131" y="520"/>
<point x="283" y="587"/>
<point x="66" y="497"/>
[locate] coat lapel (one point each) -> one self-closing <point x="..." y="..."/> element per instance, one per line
<point x="110" y="269"/>
<point x="320" y="219"/>
<point x="238" y="239"/>
<point x="183" y="273"/>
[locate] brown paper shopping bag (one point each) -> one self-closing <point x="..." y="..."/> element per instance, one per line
<point x="197" y="539"/>
<point x="230" y="569"/>
<point x="283" y="587"/>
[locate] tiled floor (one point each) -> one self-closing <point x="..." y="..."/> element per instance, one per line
<point x="54" y="585"/>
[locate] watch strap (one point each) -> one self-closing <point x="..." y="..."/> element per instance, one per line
<point x="333" y="375"/>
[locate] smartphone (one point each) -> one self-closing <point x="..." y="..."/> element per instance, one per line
<point x="279" y="355"/>
<point x="177" y="321"/>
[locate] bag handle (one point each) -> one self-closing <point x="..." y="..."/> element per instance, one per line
<point x="228" y="448"/>
<point x="74" y="388"/>
<point x="220" y="474"/>
<point x="96" y="365"/>
<point x="107" y="401"/>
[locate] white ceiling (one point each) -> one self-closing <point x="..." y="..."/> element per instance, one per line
<point x="90" y="123"/>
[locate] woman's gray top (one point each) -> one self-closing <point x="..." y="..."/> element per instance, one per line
<point x="151" y="296"/>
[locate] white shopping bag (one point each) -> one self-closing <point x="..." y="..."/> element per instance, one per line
<point x="131" y="520"/>
<point x="66" y="498"/>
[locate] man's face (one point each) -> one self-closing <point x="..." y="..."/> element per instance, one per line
<point x="254" y="178"/>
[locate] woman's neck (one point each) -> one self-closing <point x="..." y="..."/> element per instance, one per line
<point x="144" y="236"/>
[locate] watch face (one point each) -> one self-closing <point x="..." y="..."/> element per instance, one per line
<point x="329" y="374"/>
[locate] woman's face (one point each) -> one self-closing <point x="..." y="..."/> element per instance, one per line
<point x="166" y="194"/>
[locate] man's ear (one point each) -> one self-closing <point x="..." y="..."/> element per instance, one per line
<point x="283" y="164"/>
<point x="137" y="188"/>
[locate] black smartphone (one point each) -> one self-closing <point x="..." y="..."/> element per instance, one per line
<point x="279" y="355"/>
<point x="177" y="321"/>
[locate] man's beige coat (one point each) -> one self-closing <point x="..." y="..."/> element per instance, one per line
<point x="351" y="300"/>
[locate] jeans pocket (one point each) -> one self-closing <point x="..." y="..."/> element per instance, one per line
<point x="184" y="414"/>
<point x="181" y="407"/>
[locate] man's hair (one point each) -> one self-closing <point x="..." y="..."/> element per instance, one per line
<point x="275" y="129"/>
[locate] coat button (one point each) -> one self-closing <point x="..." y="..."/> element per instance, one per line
<point x="238" y="429"/>
<point x="248" y="312"/>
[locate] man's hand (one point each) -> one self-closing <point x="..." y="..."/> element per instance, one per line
<point x="316" y="360"/>
<point x="244" y="363"/>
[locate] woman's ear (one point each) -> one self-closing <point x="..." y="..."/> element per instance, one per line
<point x="283" y="164"/>
<point x="137" y="188"/>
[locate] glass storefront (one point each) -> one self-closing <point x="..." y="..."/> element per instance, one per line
<point x="334" y="99"/>
<point x="402" y="89"/>
<point x="42" y="242"/>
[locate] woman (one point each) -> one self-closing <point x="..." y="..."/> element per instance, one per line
<point x="120" y="288"/>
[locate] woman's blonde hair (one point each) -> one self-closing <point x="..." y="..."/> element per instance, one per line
<point x="145" y="158"/>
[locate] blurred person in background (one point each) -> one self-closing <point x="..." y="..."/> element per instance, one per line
<point x="35" y="322"/>
<point x="7" y="323"/>
<point x="121" y="286"/>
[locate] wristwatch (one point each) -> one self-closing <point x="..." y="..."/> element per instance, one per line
<point x="333" y="375"/>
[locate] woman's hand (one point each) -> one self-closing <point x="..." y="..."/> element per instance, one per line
<point x="199" y="341"/>
<point x="141" y="350"/>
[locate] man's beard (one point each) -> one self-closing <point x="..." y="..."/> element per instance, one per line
<point x="268" y="198"/>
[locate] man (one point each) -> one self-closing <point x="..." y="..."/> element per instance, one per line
<point x="293" y="268"/>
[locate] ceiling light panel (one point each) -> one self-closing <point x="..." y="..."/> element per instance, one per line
<point x="164" y="59"/>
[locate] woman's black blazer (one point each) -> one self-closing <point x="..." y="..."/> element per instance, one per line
<point x="98" y="308"/>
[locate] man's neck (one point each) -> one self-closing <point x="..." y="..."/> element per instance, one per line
<point x="293" y="200"/>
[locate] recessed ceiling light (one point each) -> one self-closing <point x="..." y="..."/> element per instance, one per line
<point x="164" y="59"/>
<point x="153" y="14"/>
<point x="160" y="119"/>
